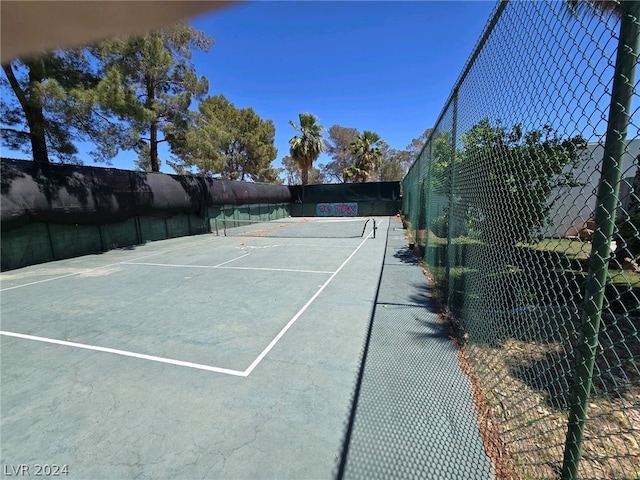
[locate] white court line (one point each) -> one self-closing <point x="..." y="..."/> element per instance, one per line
<point x="308" y="245"/>
<point x="125" y="353"/>
<point x="277" y="338"/>
<point x="180" y="265"/>
<point x="181" y="363"/>
<point x="87" y="270"/>
<point x="168" y="265"/>
<point x="47" y="279"/>
<point x="232" y="260"/>
<point x="274" y="269"/>
<point x="216" y="267"/>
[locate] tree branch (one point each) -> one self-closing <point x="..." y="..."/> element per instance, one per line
<point x="13" y="130"/>
<point x="15" y="86"/>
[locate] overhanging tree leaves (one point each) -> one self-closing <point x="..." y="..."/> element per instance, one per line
<point x="49" y="109"/>
<point x="294" y="174"/>
<point x="235" y="143"/>
<point x="516" y="174"/>
<point x="338" y="147"/>
<point x="416" y="145"/>
<point x="392" y="163"/>
<point x="148" y="83"/>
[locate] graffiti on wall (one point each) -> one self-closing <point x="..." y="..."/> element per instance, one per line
<point x="337" y="209"/>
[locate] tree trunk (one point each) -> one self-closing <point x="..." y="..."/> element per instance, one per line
<point x="153" y="146"/>
<point x="35" y="118"/>
<point x="32" y="108"/>
<point x="153" y="127"/>
<point x="304" y="173"/>
<point x="36" y="122"/>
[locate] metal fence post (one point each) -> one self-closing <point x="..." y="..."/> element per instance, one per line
<point x="607" y="200"/>
<point x="427" y="212"/>
<point x="452" y="181"/>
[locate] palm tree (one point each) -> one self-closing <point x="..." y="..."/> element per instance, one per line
<point x="367" y="152"/>
<point x="306" y="147"/>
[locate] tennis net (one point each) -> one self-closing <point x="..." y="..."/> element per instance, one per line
<point x="297" y="228"/>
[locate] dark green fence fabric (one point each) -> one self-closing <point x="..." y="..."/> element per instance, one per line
<point x="346" y="192"/>
<point x="525" y="206"/>
<point x="78" y="195"/>
<point x="372" y="198"/>
<point x="35" y="243"/>
<point x="63" y="211"/>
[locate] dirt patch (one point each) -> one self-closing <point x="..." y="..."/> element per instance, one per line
<point x="532" y="422"/>
<point x="100" y="272"/>
<point x="522" y="392"/>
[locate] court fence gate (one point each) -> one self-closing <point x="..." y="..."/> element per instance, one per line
<point x="525" y="206"/>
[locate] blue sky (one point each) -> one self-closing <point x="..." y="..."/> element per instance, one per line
<point x="387" y="67"/>
<point x="384" y="66"/>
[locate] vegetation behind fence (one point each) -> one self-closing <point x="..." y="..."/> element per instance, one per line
<point x="525" y="205"/>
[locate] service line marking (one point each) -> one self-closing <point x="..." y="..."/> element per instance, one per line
<point x="280" y="334"/>
<point x="274" y="269"/>
<point x="217" y="267"/>
<point x="180" y="265"/>
<point x="181" y="363"/>
<point x="232" y="260"/>
<point x="125" y="353"/>
<point x="87" y="270"/>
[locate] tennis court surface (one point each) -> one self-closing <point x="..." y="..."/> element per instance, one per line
<point x="208" y="356"/>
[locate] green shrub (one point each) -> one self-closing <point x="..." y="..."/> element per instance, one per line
<point x="440" y="226"/>
<point x="629" y="232"/>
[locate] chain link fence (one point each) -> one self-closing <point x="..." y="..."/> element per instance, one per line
<point x="525" y="205"/>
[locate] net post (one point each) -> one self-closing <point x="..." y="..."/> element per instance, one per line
<point x="374" y="228"/>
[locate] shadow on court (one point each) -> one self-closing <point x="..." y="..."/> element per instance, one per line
<point x="413" y="416"/>
<point x="196" y="357"/>
<point x="233" y="358"/>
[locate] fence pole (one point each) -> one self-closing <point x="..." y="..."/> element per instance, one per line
<point x="427" y="206"/>
<point x="607" y="200"/>
<point x="452" y="181"/>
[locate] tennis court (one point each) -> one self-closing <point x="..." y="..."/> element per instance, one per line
<point x="208" y="356"/>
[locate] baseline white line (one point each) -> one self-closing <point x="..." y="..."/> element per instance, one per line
<point x="167" y="265"/>
<point x="183" y="265"/>
<point x="87" y="270"/>
<point x="232" y="260"/>
<point x="280" y="334"/>
<point x="181" y="363"/>
<point x="286" y="245"/>
<point x="125" y="353"/>
<point x="273" y="269"/>
<point x="42" y="281"/>
<point x="266" y="269"/>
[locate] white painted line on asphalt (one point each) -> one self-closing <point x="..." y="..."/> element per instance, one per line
<point x="174" y="265"/>
<point x="274" y="269"/>
<point x="87" y="270"/>
<point x="181" y="363"/>
<point x="277" y="338"/>
<point x="125" y="353"/>
<point x="46" y="280"/>
<point x="232" y="260"/>
<point x="180" y="265"/>
<point x="216" y="267"/>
